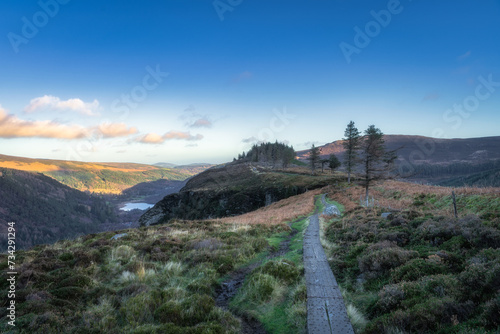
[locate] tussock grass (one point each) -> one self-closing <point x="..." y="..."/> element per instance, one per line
<point x="420" y="270"/>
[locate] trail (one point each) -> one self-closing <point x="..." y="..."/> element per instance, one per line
<point x="228" y="289"/>
<point x="326" y="311"/>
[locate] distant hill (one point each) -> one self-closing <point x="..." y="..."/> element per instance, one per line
<point x="45" y="210"/>
<point x="429" y="150"/>
<point x="107" y="178"/>
<point x="490" y="178"/>
<point x="432" y="159"/>
<point x="232" y="189"/>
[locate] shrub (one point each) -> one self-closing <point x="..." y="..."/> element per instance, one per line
<point x="379" y="259"/>
<point x="262" y="287"/>
<point x="491" y="313"/>
<point x="69" y="292"/>
<point x="123" y="254"/>
<point x="283" y="270"/>
<point x="415" y="269"/>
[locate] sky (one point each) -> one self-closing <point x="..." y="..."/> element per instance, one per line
<point x="201" y="81"/>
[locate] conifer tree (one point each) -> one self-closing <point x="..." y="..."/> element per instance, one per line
<point x="351" y="145"/>
<point x="377" y="161"/>
<point x="314" y="157"/>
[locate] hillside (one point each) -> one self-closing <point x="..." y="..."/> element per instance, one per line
<point x="167" y="278"/>
<point x="418" y="270"/>
<point x="232" y="189"/>
<point x="45" y="210"/>
<point x="430" y="159"/>
<point x="407" y="265"/>
<point x="106" y="178"/>
<point x="429" y="150"/>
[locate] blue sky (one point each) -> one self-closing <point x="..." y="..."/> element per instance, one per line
<point x="200" y="81"/>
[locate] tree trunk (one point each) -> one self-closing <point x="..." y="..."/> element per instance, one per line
<point x="367" y="196"/>
<point x="348" y="177"/>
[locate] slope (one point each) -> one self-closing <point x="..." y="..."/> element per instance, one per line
<point x="45" y="210"/>
<point x="109" y="178"/>
<point x="232" y="189"/>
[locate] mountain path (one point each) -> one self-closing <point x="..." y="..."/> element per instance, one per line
<point x="326" y="311"/>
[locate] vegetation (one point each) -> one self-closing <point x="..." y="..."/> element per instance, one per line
<point x="314" y="158"/>
<point x="270" y="153"/>
<point x="45" y="210"/>
<point x="419" y="270"/>
<point x="275" y="293"/>
<point x="351" y="144"/>
<point x="376" y="161"/>
<point x="334" y="163"/>
<point x="106" y="178"/>
<point x="233" y="189"/>
<point x="161" y="279"/>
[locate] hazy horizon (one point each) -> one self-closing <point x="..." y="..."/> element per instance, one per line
<point x="201" y="82"/>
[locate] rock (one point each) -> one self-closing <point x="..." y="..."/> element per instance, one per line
<point x="118" y="236"/>
<point x="386" y="215"/>
<point x="331" y="211"/>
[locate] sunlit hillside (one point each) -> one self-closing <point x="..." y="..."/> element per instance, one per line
<point x="106" y="178"/>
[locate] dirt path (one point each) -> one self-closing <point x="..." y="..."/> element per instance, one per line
<point x="228" y="289"/>
<point x="326" y="312"/>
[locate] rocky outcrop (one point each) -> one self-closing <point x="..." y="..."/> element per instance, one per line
<point x="229" y="190"/>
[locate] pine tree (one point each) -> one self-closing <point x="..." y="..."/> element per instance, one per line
<point x="333" y="162"/>
<point x="377" y="161"/>
<point x="351" y="145"/>
<point x="314" y="157"/>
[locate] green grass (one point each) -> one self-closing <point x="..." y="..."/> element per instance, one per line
<point x="275" y="292"/>
<point x="159" y="279"/>
<point x="420" y="271"/>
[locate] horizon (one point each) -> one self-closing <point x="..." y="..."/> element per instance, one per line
<point x="189" y="83"/>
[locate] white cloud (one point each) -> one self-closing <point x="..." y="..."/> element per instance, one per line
<point x="49" y="102"/>
<point x="112" y="130"/>
<point x="250" y="140"/>
<point x="153" y="138"/>
<point x="13" y="127"/>
<point x="201" y="123"/>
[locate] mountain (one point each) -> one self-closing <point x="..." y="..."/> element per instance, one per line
<point x="106" y="178"/>
<point x="489" y="178"/>
<point x="45" y="210"/>
<point x="429" y="150"/>
<point x="432" y="159"/>
<point x="231" y="189"/>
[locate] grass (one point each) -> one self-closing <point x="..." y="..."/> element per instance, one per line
<point x="421" y="270"/>
<point x="275" y="292"/>
<point x="162" y="279"/>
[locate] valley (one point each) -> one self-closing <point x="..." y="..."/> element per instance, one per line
<point x="228" y="250"/>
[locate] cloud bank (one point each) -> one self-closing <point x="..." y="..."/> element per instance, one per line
<point x="13" y="127"/>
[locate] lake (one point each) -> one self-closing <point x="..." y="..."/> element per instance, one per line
<point x="132" y="206"/>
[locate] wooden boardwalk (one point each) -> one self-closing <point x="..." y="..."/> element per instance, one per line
<point x="326" y="311"/>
